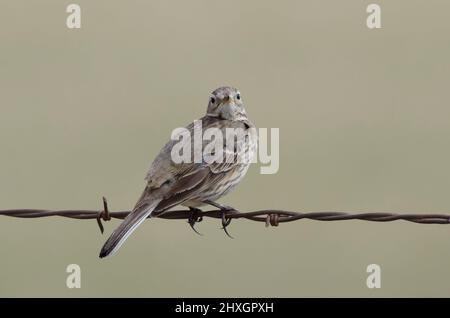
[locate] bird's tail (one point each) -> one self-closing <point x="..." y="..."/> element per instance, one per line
<point x="128" y="225"/>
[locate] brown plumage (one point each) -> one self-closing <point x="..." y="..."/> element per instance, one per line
<point x="193" y="183"/>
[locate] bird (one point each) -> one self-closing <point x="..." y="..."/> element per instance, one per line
<point x="195" y="183"/>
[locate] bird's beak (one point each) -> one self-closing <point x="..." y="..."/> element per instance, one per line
<point x="227" y="100"/>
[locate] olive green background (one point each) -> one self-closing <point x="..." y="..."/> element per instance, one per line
<point x="364" y="126"/>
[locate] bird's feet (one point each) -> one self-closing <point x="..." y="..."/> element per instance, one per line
<point x="195" y="218"/>
<point x="225" y="222"/>
<point x="223" y="213"/>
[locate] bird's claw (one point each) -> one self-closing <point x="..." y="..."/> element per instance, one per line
<point x="223" y="211"/>
<point x="195" y="218"/>
<point x="225" y="222"/>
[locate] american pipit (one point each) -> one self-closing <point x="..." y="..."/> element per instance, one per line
<point x="195" y="183"/>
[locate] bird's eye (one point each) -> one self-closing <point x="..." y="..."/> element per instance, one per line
<point x="212" y="100"/>
<point x="238" y="96"/>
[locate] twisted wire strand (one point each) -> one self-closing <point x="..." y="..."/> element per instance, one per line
<point x="270" y="217"/>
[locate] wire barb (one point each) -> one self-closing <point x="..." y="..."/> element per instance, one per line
<point x="272" y="219"/>
<point x="103" y="215"/>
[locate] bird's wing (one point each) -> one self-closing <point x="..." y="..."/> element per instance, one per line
<point x="179" y="190"/>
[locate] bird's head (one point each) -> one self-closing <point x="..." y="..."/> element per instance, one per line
<point x="226" y="103"/>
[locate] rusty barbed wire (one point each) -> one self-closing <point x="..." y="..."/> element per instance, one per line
<point x="270" y="217"/>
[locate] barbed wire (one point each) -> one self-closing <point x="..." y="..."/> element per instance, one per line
<point x="270" y="217"/>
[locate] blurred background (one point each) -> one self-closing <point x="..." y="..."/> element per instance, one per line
<point x="364" y="126"/>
